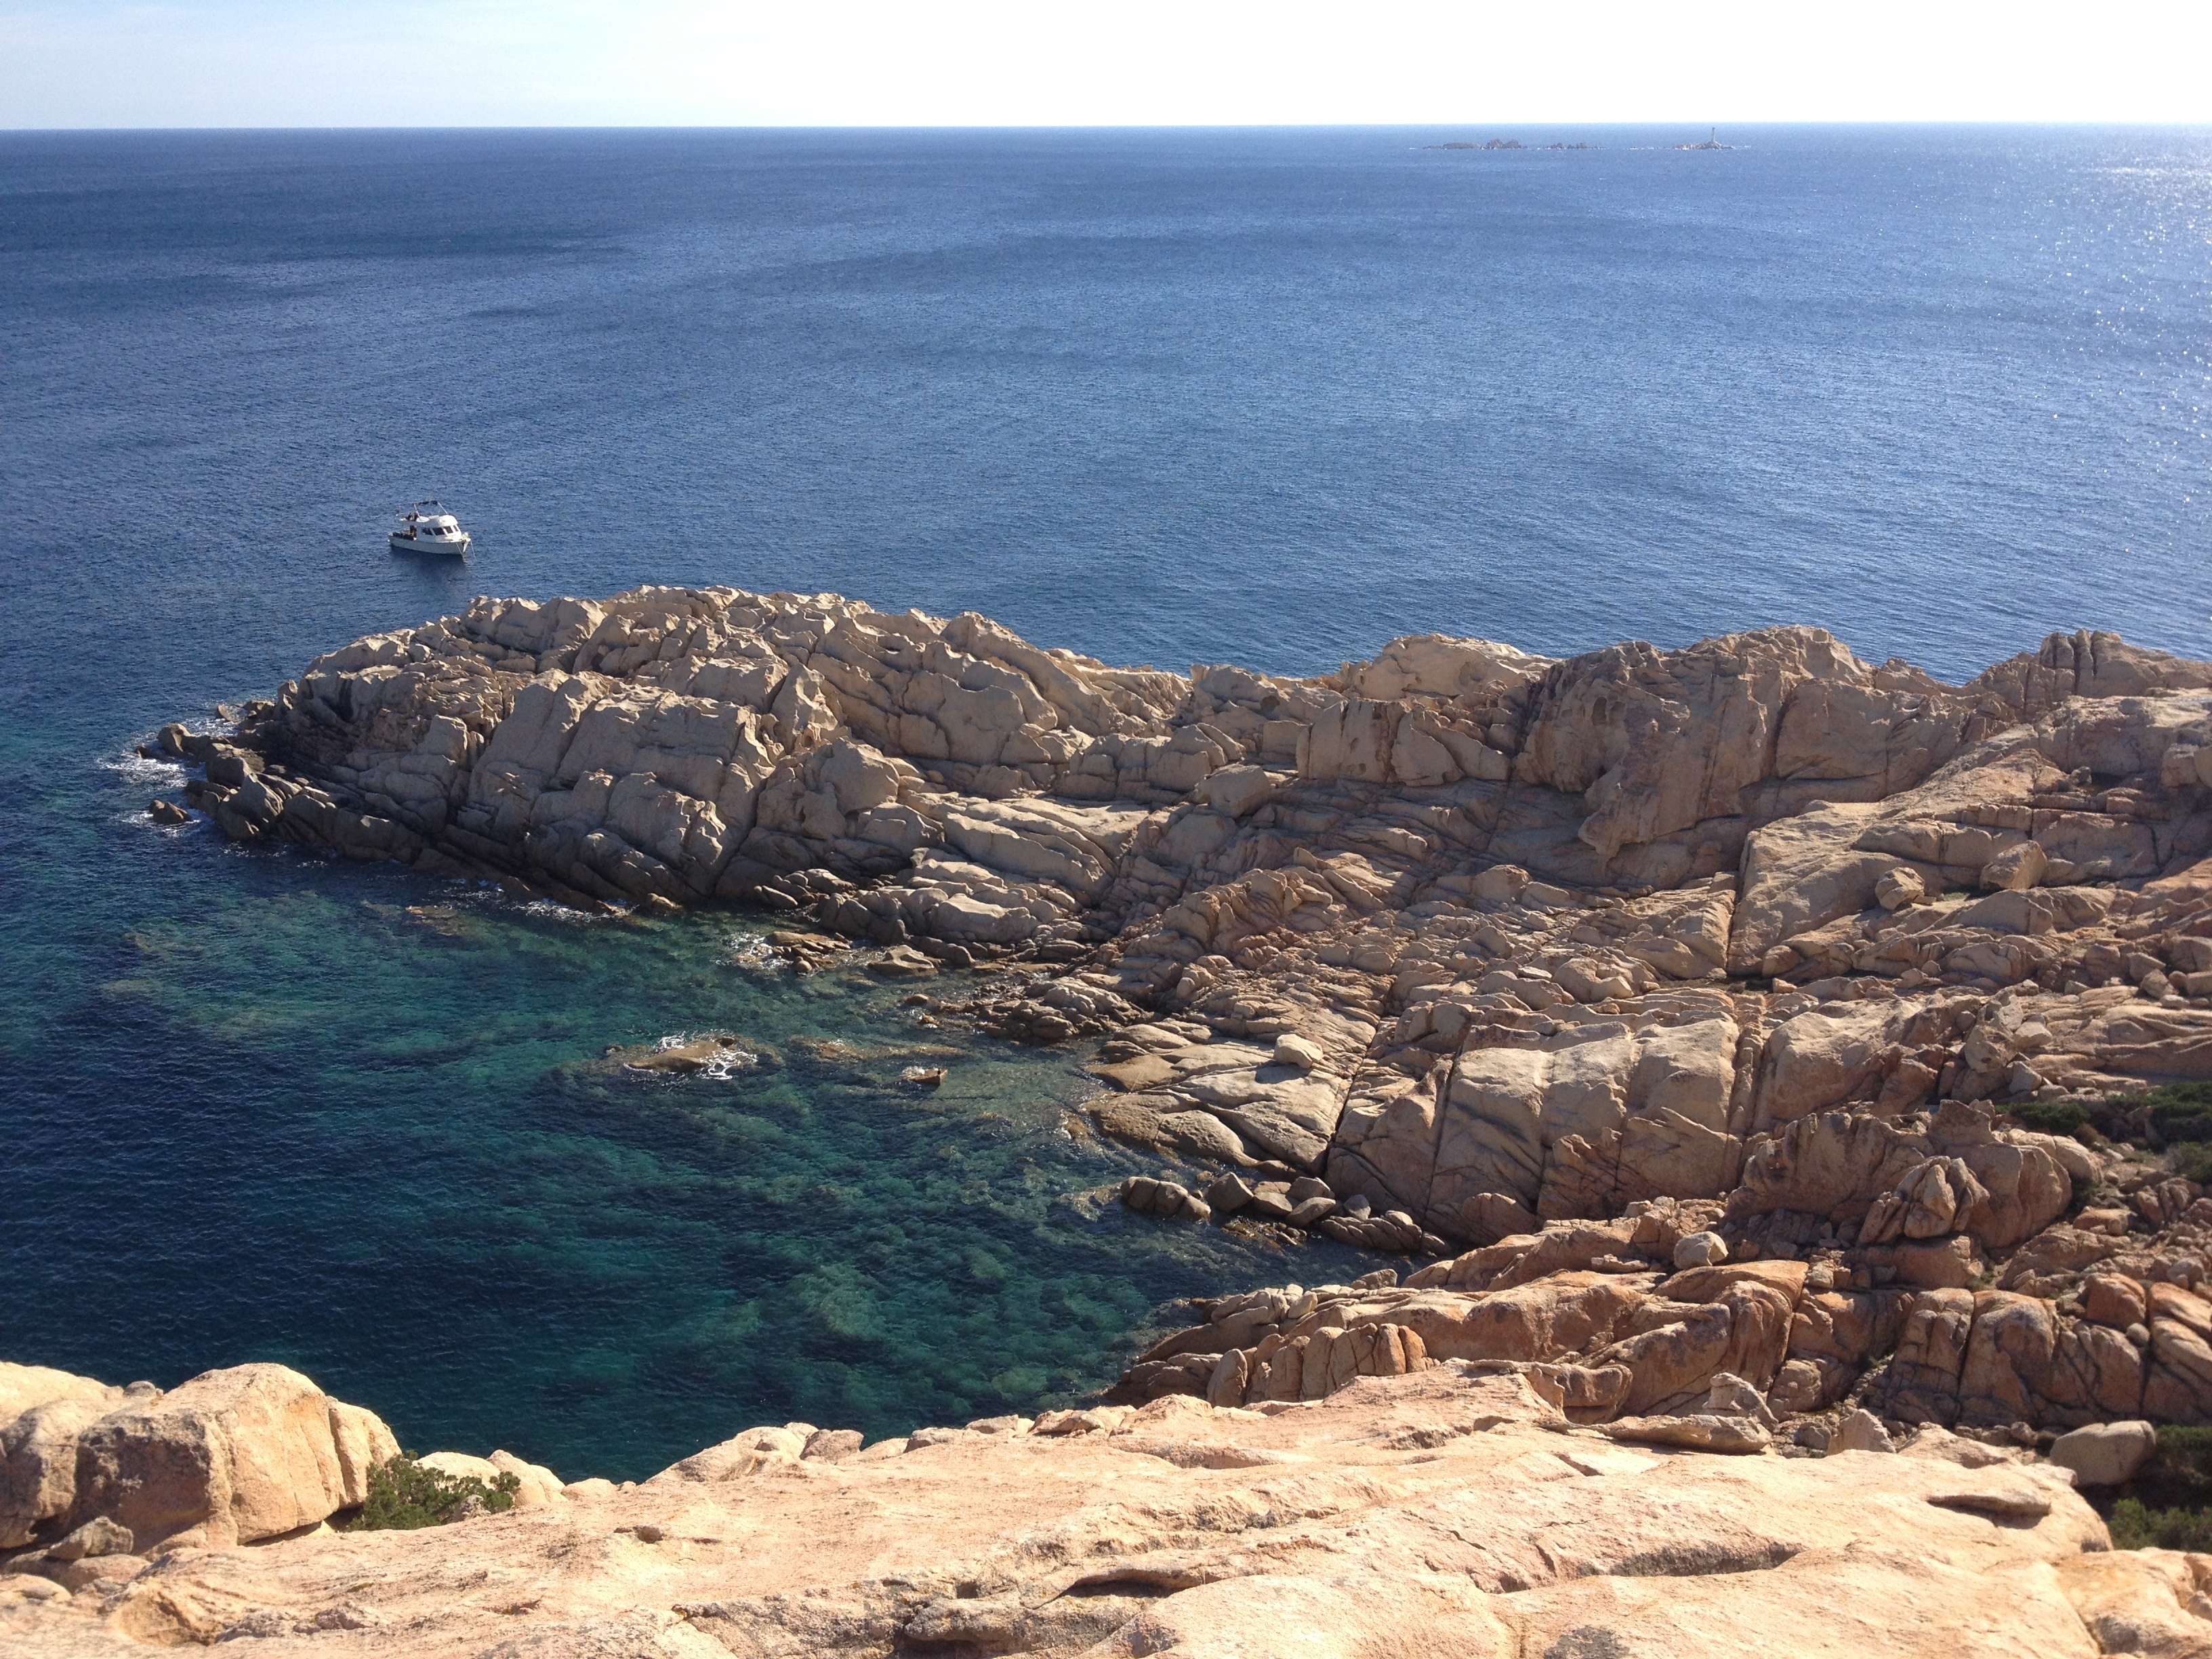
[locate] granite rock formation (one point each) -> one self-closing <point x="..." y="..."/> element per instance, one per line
<point x="1689" y="1016"/>
<point x="231" y="1456"/>
<point x="1565" y="934"/>
<point x="1584" y="978"/>
<point x="1450" y="1510"/>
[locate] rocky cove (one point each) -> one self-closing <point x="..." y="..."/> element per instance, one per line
<point x="1759" y="1062"/>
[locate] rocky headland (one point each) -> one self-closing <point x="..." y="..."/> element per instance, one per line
<point x="1776" y="1071"/>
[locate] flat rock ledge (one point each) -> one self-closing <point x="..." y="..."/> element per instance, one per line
<point x="1451" y="1510"/>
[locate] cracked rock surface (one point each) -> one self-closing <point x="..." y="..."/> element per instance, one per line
<point x="1447" y="1511"/>
<point x="1454" y="952"/>
<point x="1473" y="934"/>
<point x="1686" y="1017"/>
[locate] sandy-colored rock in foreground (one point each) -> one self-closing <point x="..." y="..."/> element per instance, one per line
<point x="42" y="1410"/>
<point x="1442" y="1513"/>
<point x="231" y="1455"/>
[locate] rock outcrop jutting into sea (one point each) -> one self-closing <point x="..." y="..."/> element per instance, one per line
<point x="1735" y="954"/>
<point x="1700" y="1016"/>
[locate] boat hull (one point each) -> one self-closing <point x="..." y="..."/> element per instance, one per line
<point x="452" y="547"/>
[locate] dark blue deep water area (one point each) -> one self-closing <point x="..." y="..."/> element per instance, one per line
<point x="1261" y="396"/>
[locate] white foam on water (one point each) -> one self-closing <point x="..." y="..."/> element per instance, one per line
<point x="148" y="777"/>
<point x="550" y="910"/>
<point x="139" y="769"/>
<point x="753" y="950"/>
<point x="725" y="1065"/>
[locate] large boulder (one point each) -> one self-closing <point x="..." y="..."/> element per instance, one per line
<point x="2106" y="1454"/>
<point x="233" y="1455"/>
<point x="37" y="1466"/>
<point x="25" y="1387"/>
<point x="1577" y="1121"/>
<point x="42" y="1412"/>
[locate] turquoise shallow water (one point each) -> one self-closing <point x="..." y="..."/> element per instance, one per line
<point x="1267" y="397"/>
<point x="352" y="1120"/>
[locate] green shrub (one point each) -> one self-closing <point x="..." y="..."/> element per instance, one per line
<point x="2136" y="1527"/>
<point x="2178" y="1097"/>
<point x="2052" y="1117"/>
<point x="2178" y="1112"/>
<point x="402" y="1494"/>
<point x="2168" y="1505"/>
<point x="2180" y="1470"/>
<point x="2193" y="1159"/>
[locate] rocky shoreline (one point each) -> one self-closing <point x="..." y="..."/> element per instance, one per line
<point x="1450" y="1509"/>
<point x="1754" y="1050"/>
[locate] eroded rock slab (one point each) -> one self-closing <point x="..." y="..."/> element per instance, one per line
<point x="1451" y="1511"/>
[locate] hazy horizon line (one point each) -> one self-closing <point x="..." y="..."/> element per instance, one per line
<point x="1984" y="123"/>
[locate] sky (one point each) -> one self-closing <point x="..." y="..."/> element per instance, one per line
<point x="989" y="62"/>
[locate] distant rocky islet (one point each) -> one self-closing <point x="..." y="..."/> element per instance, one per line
<point x="1701" y="1025"/>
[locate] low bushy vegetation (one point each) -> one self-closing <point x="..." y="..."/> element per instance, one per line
<point x="402" y="1494"/>
<point x="2176" y="1119"/>
<point x="2180" y="1470"/>
<point x="2135" y="1527"/>
<point x="2052" y="1117"/>
<point x="2169" y="1504"/>
<point x="2178" y="1112"/>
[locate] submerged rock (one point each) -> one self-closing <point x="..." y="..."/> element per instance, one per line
<point x="682" y="1056"/>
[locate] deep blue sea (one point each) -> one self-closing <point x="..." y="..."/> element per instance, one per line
<point x="1266" y="396"/>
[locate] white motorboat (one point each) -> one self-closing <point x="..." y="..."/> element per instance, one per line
<point x="428" y="528"/>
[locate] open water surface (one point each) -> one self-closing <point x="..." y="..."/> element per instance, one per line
<point x="1262" y="397"/>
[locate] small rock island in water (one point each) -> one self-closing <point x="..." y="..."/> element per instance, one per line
<point x="1784" y="1078"/>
